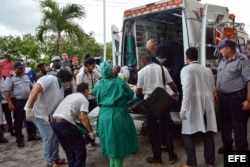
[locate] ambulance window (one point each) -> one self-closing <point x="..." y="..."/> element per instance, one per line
<point x="242" y="45"/>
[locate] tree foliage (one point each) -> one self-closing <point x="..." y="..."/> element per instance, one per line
<point x="58" y="20"/>
<point x="30" y="49"/>
<point x="58" y="33"/>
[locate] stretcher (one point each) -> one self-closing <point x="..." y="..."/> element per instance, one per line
<point x="137" y="111"/>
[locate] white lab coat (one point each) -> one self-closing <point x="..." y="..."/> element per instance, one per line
<point x="198" y="86"/>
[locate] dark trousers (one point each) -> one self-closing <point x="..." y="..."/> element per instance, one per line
<point x="72" y="143"/>
<point x="233" y="118"/>
<point x="1" y="134"/>
<point x="8" y="117"/>
<point x="154" y="133"/>
<point x="19" y="116"/>
<point x="209" y="148"/>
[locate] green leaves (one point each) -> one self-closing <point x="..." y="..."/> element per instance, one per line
<point x="58" y="20"/>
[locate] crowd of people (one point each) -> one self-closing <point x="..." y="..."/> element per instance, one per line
<point x="53" y="104"/>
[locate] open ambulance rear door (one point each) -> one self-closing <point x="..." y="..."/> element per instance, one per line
<point x="212" y="16"/>
<point x="115" y="45"/>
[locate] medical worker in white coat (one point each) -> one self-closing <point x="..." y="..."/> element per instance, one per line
<point x="197" y="110"/>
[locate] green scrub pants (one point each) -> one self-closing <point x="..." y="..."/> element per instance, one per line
<point x="116" y="162"/>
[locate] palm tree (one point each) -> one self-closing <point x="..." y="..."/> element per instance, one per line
<point x="58" y="20"/>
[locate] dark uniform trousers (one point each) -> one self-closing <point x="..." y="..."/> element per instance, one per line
<point x="20" y="118"/>
<point x="8" y="117"/>
<point x="233" y="118"/>
<point x="154" y="133"/>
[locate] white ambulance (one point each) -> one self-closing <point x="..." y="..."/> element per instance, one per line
<point x="188" y="22"/>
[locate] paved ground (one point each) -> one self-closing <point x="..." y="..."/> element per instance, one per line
<point x="32" y="154"/>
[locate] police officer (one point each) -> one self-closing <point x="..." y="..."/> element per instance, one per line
<point x="17" y="89"/>
<point x="233" y="94"/>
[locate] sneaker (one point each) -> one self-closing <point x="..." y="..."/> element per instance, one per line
<point x="154" y="161"/>
<point x="3" y="140"/>
<point x="89" y="146"/>
<point x="174" y="159"/>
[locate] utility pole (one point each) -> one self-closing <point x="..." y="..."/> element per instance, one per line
<point x="104" y="30"/>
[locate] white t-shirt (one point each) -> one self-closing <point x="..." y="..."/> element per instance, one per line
<point x="48" y="100"/>
<point x="150" y="77"/>
<point x="70" y="108"/>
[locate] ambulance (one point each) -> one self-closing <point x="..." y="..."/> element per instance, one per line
<point x="188" y="22"/>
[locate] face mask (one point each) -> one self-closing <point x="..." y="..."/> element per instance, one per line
<point x="65" y="84"/>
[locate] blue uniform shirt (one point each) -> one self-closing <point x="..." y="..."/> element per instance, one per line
<point x="19" y="86"/>
<point x="233" y="75"/>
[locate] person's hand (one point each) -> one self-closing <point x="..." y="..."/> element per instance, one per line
<point x="182" y="115"/>
<point x="246" y="105"/>
<point x="11" y="106"/>
<point x="29" y="114"/>
<point x="216" y="96"/>
<point x="92" y="135"/>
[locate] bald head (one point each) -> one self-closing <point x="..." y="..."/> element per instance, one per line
<point x="151" y="45"/>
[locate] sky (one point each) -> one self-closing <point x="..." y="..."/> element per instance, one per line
<point x="23" y="16"/>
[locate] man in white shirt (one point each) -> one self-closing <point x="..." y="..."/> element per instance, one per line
<point x="71" y="111"/>
<point x="44" y="98"/>
<point x="149" y="78"/>
<point x="91" y="77"/>
<point x="197" y="109"/>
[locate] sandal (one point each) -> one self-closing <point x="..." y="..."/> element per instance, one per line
<point x="61" y="161"/>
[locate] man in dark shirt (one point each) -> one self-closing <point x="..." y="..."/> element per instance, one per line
<point x="170" y="54"/>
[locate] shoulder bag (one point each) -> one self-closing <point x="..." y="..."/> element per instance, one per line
<point x="159" y="101"/>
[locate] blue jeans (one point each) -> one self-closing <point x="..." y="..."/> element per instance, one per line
<point x="209" y="149"/>
<point x="72" y="143"/>
<point x="50" y="141"/>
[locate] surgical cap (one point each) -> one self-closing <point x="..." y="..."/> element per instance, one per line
<point x="106" y="69"/>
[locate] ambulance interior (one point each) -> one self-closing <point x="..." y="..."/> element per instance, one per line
<point x="163" y="25"/>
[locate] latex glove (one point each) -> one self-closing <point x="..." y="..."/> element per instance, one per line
<point x="182" y="115"/>
<point x="92" y="135"/>
<point x="29" y="115"/>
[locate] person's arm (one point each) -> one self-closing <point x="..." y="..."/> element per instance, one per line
<point x="169" y="80"/>
<point x="173" y="86"/>
<point x="8" y="88"/>
<point x="85" y="121"/>
<point x="33" y="95"/>
<point x="9" y="101"/>
<point x="79" y="77"/>
<point x="139" y="86"/>
<point x="139" y="93"/>
<point x="246" y="102"/>
<point x="130" y="93"/>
